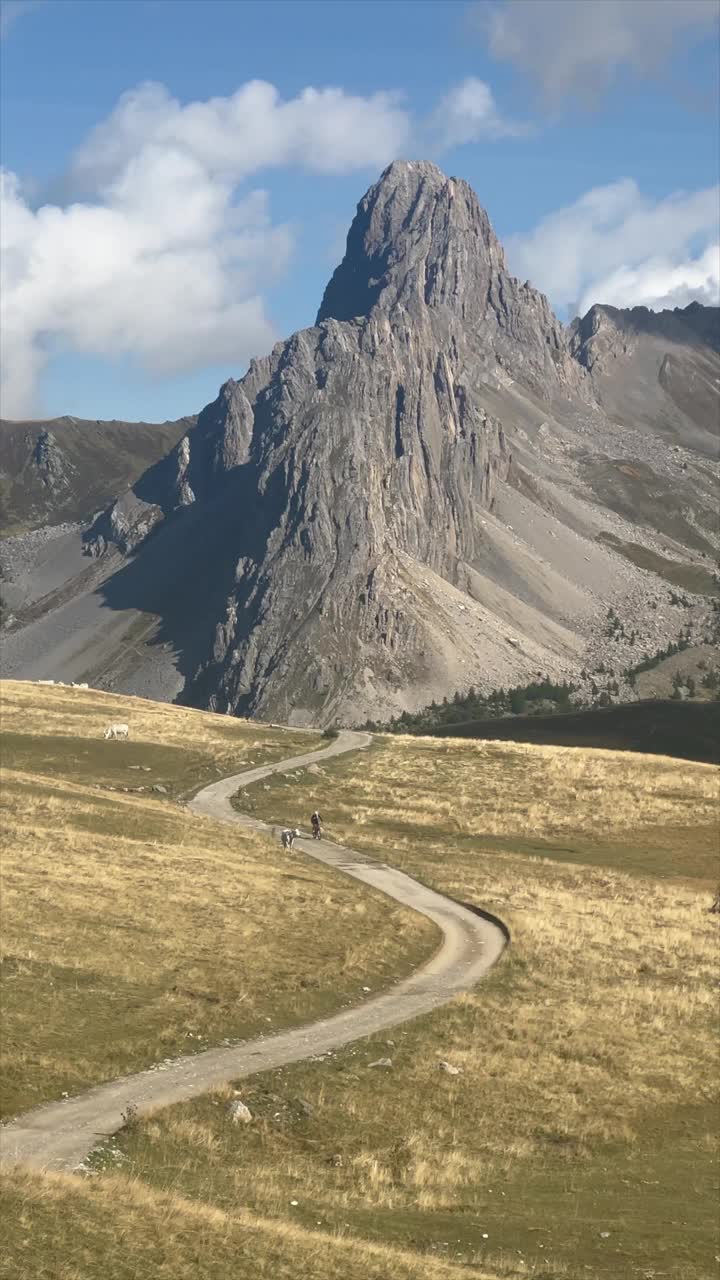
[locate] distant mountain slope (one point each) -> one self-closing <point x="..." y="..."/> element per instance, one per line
<point x="658" y="370"/>
<point x="435" y="486"/>
<point x="66" y="469"/>
<point x="686" y="730"/>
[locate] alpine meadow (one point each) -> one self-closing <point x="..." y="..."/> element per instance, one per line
<point x="360" y="640"/>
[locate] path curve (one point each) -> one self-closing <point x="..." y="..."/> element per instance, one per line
<point x="59" y="1135"/>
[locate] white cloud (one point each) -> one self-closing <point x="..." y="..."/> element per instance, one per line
<point x="660" y="282"/>
<point x="575" y="48"/>
<point x="615" y="245"/>
<point x="321" y="130"/>
<point x="12" y="10"/>
<point x="469" y="113"/>
<point x="168" y="272"/>
<point x="165" y="255"/>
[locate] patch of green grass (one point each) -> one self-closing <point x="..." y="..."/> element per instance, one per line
<point x="132" y="764"/>
<point x="64" y="1228"/>
<point x="693" y="577"/>
<point x="683" y="853"/>
<point x="102" y="460"/>
<point x="552" y="1212"/>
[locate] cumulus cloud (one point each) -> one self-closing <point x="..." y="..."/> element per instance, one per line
<point x="168" y="274"/>
<point x="162" y="254"/>
<point x="469" y="113"/>
<point x="575" y="48"/>
<point x="617" y="246"/>
<point x="321" y="130"/>
<point x="660" y="282"/>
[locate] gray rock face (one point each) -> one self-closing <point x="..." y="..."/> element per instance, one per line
<point x="372" y="442"/>
<point x="434" y="486"/>
<point x="658" y="368"/>
<point x="217" y="443"/>
<point x="421" y="246"/>
<point x="606" y="333"/>
<point x="53" y="468"/>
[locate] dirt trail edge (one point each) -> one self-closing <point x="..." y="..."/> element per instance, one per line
<point x="59" y="1135"/>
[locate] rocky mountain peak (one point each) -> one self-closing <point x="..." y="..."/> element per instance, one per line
<point x="421" y="253"/>
<point x="347" y="519"/>
<point x="418" y="238"/>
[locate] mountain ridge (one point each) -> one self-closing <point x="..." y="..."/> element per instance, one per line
<point x="441" y="488"/>
<point x="65" y="468"/>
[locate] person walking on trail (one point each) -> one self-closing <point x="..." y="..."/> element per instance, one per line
<point x="316" y="824"/>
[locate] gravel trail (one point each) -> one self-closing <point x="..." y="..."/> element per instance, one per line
<point x="59" y="1135"/>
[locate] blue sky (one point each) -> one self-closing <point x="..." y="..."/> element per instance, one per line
<point x="147" y="262"/>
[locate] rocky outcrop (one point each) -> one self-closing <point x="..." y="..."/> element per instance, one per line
<point x="606" y="333"/>
<point x="655" y="368"/>
<point x="52" y="466"/>
<point x="433" y="486"/>
<point x="216" y="444"/>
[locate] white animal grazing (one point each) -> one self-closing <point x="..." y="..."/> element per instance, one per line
<point x="288" y="837"/>
<point x="46" y="681"/>
<point x="117" y="731"/>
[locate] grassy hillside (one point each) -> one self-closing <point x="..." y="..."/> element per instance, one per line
<point x="94" y="462"/>
<point x="133" y="929"/>
<point x="687" y="730"/>
<point x="578" y="1138"/>
<point x="67" y="1229"/>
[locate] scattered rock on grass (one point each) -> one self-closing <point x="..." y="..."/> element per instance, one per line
<point x="239" y="1113"/>
<point x="449" y="1069"/>
<point x="382" y="1062"/>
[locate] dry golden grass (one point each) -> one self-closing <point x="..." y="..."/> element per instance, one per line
<point x="134" y="930"/>
<point x="66" y="1229"/>
<point x="28" y="707"/>
<point x="520" y="789"/>
<point x="589" y="1058"/>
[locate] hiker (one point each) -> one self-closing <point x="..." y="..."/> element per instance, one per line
<point x="288" y="837"/>
<point x="315" y="823"/>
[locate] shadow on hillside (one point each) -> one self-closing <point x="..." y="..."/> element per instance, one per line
<point x="685" y="730"/>
<point x="187" y="569"/>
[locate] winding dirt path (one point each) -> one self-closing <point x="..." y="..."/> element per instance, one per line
<point x="59" y="1135"/>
